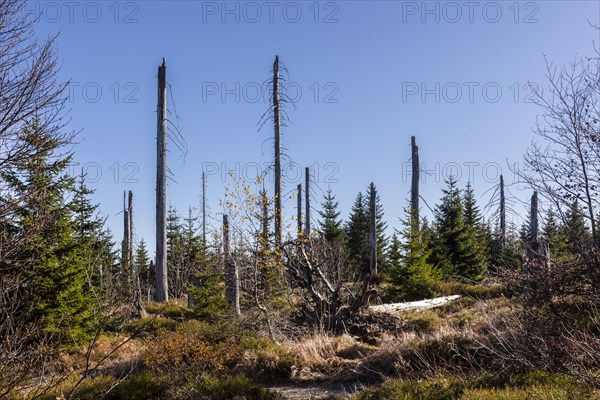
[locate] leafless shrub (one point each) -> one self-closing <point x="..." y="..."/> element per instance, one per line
<point x="330" y="291"/>
<point x="555" y="326"/>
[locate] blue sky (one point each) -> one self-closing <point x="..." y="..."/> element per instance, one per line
<point x="366" y="75"/>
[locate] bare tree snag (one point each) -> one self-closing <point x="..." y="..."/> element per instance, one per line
<point x="203" y="209"/>
<point x="135" y="274"/>
<point x="162" y="286"/>
<point x="277" y="133"/>
<point x="125" y="260"/>
<point x="502" y="214"/>
<point x="534" y="221"/>
<point x="299" y="195"/>
<point x="372" y="202"/>
<point x="307" y="202"/>
<point x="533" y="252"/>
<point x="366" y="292"/>
<point x="414" y="191"/>
<point x="130" y="227"/>
<point x="232" y="279"/>
<point x="265" y="216"/>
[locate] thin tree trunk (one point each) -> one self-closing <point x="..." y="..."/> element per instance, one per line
<point x="130" y="227"/>
<point x="502" y="214"/>
<point x="277" y="133"/>
<point x="307" y="202"/>
<point x="203" y="209"/>
<point x="265" y="217"/>
<point x="533" y="250"/>
<point x="125" y="246"/>
<point x="232" y="279"/>
<point x="135" y="274"/>
<point x="414" y="191"/>
<point x="534" y="220"/>
<point x="162" y="285"/>
<point x="372" y="201"/>
<point x="366" y="293"/>
<point x="299" y="211"/>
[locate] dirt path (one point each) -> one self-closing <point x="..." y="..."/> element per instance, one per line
<point x="338" y="390"/>
<point x="317" y="391"/>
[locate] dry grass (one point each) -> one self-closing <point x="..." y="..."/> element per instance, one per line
<point x="444" y="340"/>
<point x="125" y="358"/>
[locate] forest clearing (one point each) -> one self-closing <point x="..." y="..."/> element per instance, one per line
<point x="279" y="292"/>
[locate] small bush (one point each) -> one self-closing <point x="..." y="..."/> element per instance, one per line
<point x="265" y="359"/>
<point x="90" y="389"/>
<point x="141" y="386"/>
<point x="434" y="389"/>
<point x="138" y="386"/>
<point x="216" y="332"/>
<point x="470" y="290"/>
<point x="532" y="385"/>
<point x="168" y="310"/>
<point x="233" y="387"/>
<point x="150" y="326"/>
<point x="185" y="350"/>
<point x="421" y="321"/>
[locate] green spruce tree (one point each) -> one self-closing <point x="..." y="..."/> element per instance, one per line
<point x="415" y="277"/>
<point x="51" y="258"/>
<point x="330" y="223"/>
<point x="380" y="226"/>
<point x="142" y="265"/>
<point x="478" y="237"/>
<point x="357" y="235"/>
<point x="452" y="249"/>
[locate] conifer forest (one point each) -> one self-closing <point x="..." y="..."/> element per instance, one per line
<point x="405" y="277"/>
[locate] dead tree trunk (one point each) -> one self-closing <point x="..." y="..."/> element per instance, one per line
<point x="277" y="133"/>
<point x="533" y="250"/>
<point x="265" y="217"/>
<point x="299" y="211"/>
<point x="414" y="191"/>
<point x="193" y="279"/>
<point x="373" y="264"/>
<point x="203" y="209"/>
<point x="162" y="286"/>
<point x="135" y="274"/>
<point x="534" y="221"/>
<point x="232" y="279"/>
<point x="364" y="299"/>
<point x="502" y="214"/>
<point x="307" y="203"/>
<point x="130" y="228"/>
<point x="127" y="264"/>
<point x="126" y="261"/>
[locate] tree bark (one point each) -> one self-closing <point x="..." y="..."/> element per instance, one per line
<point x="373" y="268"/>
<point x="534" y="221"/>
<point x="307" y="202"/>
<point x="232" y="279"/>
<point x="299" y="211"/>
<point x="277" y="134"/>
<point x="414" y="192"/>
<point x="502" y="213"/>
<point x="162" y="285"/>
<point x="203" y="209"/>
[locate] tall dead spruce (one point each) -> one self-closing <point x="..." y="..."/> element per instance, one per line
<point x="502" y="213"/>
<point x="232" y="278"/>
<point x="299" y="198"/>
<point x="162" y="285"/>
<point x="278" y="116"/>
<point x="414" y="190"/>
<point x="307" y="202"/>
<point x="277" y="134"/>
